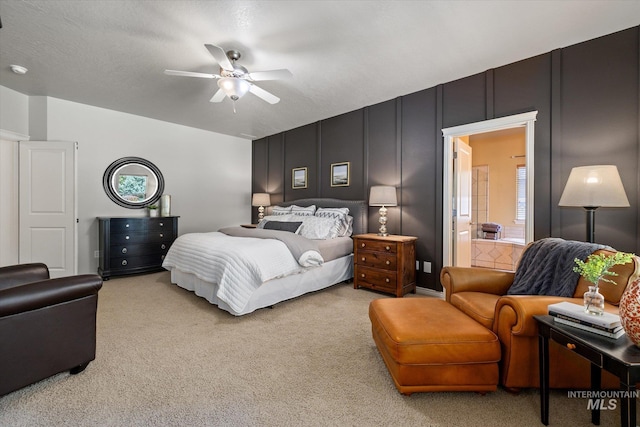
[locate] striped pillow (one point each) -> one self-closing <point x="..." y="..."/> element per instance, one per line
<point x="341" y="215"/>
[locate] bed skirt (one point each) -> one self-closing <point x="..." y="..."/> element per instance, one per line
<point x="272" y="291"/>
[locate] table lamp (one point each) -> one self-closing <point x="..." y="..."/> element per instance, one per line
<point x="382" y="195"/>
<point x="261" y="200"/>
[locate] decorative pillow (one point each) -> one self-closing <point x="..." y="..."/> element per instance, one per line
<point x="282" y="226"/>
<point x="315" y="227"/>
<point x="280" y="210"/>
<point x="301" y="211"/>
<point x="341" y="215"/>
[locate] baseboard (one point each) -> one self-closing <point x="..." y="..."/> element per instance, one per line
<point x="429" y="292"/>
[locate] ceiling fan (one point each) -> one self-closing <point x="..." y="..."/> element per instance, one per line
<point x="234" y="80"/>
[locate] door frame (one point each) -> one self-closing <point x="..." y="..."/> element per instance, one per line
<point x="526" y="120"/>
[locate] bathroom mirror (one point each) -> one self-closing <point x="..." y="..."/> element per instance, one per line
<point x="133" y="182"/>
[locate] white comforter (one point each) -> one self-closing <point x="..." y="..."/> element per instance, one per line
<point x="238" y="264"/>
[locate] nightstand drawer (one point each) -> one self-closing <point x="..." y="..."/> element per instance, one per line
<point x="378" y="246"/>
<point x="382" y="279"/>
<point x="386" y="261"/>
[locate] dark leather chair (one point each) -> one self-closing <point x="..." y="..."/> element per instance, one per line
<point x="47" y="326"/>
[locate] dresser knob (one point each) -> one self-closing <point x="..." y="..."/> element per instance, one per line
<point x="363" y="259"/>
<point x="124" y="250"/>
<point x="571" y="346"/>
<point x="127" y="226"/>
<point x="126" y="237"/>
<point x="161" y="235"/>
<point x="388" y="262"/>
<point x="163" y="246"/>
<point x="387" y="248"/>
<point x="362" y="275"/>
<point x="161" y="225"/>
<point x="124" y="262"/>
<point x="387" y="280"/>
<point x="362" y="245"/>
<point x="162" y="257"/>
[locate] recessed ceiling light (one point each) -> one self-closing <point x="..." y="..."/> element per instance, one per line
<point x="18" y="69"/>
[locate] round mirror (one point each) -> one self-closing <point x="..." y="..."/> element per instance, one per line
<point x="133" y="182"/>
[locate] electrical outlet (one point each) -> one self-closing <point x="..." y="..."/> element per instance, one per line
<point x="417" y="265"/>
<point x="427" y="267"/>
<point x="96" y="254"/>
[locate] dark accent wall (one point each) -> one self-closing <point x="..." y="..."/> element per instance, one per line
<point x="588" y="102"/>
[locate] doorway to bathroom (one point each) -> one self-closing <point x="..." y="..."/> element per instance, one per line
<point x="488" y="191"/>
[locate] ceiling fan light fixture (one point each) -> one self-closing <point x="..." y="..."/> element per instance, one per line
<point x="233" y="87"/>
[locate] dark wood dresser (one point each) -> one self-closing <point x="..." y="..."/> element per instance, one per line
<point x="386" y="264"/>
<point x="134" y="245"/>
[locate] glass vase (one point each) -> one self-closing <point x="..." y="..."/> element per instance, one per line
<point x="593" y="301"/>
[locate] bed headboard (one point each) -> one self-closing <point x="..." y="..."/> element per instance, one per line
<point x="358" y="209"/>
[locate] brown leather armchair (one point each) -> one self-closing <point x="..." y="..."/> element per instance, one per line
<point x="481" y="294"/>
<point x="47" y="326"/>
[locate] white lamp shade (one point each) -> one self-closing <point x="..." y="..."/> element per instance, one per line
<point x="594" y="186"/>
<point x="233" y="87"/>
<point x="261" y="199"/>
<point x="382" y="195"/>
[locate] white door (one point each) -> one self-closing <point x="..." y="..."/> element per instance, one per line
<point x="462" y="219"/>
<point x="48" y="205"/>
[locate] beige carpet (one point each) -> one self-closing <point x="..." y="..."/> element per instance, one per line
<point x="168" y="358"/>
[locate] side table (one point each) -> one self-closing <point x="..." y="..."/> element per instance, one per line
<point x="385" y="263"/>
<point x="618" y="356"/>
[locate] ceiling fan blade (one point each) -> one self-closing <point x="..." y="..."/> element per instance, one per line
<point x="218" y="96"/>
<point x="220" y="56"/>
<point x="191" y="74"/>
<point x="261" y="93"/>
<point x="270" y="75"/>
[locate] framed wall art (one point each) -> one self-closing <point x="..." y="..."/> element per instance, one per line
<point x="340" y="174"/>
<point x="299" y="178"/>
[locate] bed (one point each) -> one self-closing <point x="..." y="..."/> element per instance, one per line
<point x="241" y="270"/>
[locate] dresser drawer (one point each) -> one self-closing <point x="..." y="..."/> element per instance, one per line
<point x="160" y="236"/>
<point x="160" y="224"/>
<point x="375" y="278"/>
<point x="139" y="249"/>
<point x="129" y="262"/>
<point x="385" y="261"/>
<point x="377" y="246"/>
<point x="127" y="225"/>
<point x="128" y="238"/>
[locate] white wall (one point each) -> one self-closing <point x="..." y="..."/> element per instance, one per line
<point x="14" y="111"/>
<point x="207" y="174"/>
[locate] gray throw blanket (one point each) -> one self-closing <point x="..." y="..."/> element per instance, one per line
<point x="304" y="250"/>
<point x="546" y="267"/>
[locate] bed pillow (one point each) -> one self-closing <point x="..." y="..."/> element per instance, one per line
<point x="291" y="227"/>
<point x="280" y="210"/>
<point x="318" y="228"/>
<point x="341" y="215"/>
<point x="303" y="211"/>
<point x="267" y="218"/>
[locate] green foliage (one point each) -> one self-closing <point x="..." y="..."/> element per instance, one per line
<point x="597" y="266"/>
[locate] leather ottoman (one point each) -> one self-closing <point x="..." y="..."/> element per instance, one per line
<point x="429" y="345"/>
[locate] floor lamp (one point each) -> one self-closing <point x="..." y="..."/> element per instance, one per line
<point x="593" y="187"/>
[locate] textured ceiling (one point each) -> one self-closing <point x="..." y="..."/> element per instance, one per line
<point x="344" y="55"/>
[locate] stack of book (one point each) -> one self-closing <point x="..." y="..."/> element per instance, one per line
<point x="566" y="313"/>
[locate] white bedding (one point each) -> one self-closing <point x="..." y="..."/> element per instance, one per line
<point x="238" y="265"/>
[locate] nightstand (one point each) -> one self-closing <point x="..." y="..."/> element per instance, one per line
<point x="386" y="264"/>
